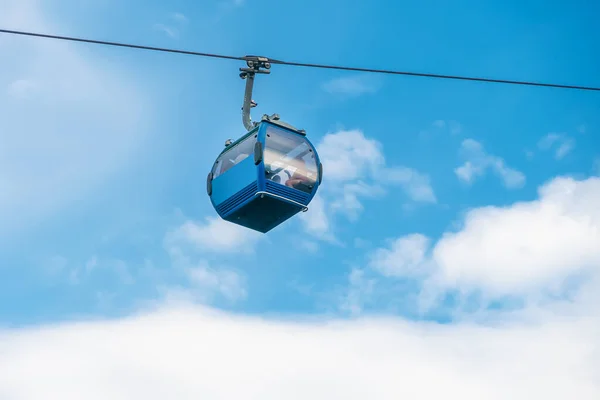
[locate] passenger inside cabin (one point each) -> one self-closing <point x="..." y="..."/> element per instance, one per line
<point x="297" y="179"/>
<point x="301" y="177"/>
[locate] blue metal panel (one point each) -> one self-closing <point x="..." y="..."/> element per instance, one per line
<point x="233" y="181"/>
<point x="238" y="200"/>
<point x="288" y="192"/>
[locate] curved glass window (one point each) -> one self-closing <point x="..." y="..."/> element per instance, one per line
<point x="234" y="155"/>
<point x="289" y="160"/>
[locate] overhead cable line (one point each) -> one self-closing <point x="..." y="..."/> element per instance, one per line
<point x="299" y="64"/>
<point x="118" y="44"/>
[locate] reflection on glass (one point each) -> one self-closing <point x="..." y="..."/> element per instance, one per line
<point x="234" y="155"/>
<point x="289" y="160"/>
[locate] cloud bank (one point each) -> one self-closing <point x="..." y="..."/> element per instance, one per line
<point x="190" y="353"/>
<point x="536" y="252"/>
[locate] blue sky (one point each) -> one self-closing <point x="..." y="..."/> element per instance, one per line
<point x="192" y="106"/>
<point x="442" y="200"/>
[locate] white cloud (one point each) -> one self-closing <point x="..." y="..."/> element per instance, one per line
<point x="478" y="161"/>
<point x="168" y="30"/>
<point x="355" y="85"/>
<point x="91" y="264"/>
<point x="349" y="155"/>
<point x="309" y="245"/>
<point x="407" y="256"/>
<point x="215" y="235"/>
<point x="116" y="270"/>
<point x="173" y="31"/>
<point x="561" y="142"/>
<point x="189" y="245"/>
<point x="301" y="288"/>
<point x="564" y="149"/>
<point x="186" y="276"/>
<point x="528" y="244"/>
<point x="80" y="272"/>
<point x="527" y="248"/>
<point x="529" y="154"/>
<point x="68" y="122"/>
<point x="179" y="17"/>
<point x="469" y="171"/>
<point x="416" y="184"/>
<point x="354" y="167"/>
<point x="547" y="141"/>
<point x="347" y="199"/>
<point x="454" y="127"/>
<point x="358" y="293"/>
<point x="21" y="88"/>
<point x="225" y="282"/>
<point x="316" y="220"/>
<point x="190" y="353"/>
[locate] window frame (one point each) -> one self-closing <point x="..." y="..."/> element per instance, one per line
<point x="312" y="173"/>
<point x="251" y="136"/>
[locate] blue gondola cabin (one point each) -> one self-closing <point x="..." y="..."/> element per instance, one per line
<point x="265" y="177"/>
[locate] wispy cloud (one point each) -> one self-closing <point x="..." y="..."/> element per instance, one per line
<point x="202" y="281"/>
<point x="214" y="235"/>
<point x="352" y="85"/>
<point x="453" y="126"/>
<point x="417" y="185"/>
<point x="562" y="144"/>
<point x="317" y="221"/>
<point x="191" y="245"/>
<point x="187" y="277"/>
<point x="168" y="30"/>
<point x="529" y="154"/>
<point x="226" y="282"/>
<point x="21" y="88"/>
<point x="358" y="292"/>
<point x="179" y="17"/>
<point x="406" y="256"/>
<point x="478" y="161"/>
<point x="173" y="30"/>
<point x="116" y="271"/>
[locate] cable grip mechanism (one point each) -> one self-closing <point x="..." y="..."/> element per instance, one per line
<point x="255" y="65"/>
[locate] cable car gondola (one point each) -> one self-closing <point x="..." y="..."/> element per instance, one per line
<point x="269" y="174"/>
